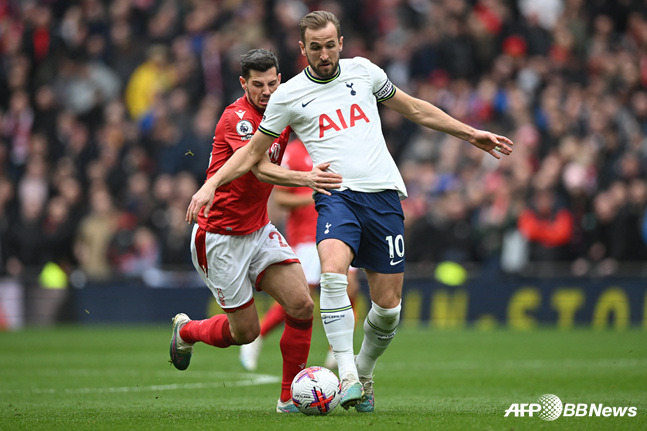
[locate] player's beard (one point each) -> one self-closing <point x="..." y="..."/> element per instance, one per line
<point x="321" y="74"/>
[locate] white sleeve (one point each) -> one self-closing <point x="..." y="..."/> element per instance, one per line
<point x="277" y="114"/>
<point x="383" y="88"/>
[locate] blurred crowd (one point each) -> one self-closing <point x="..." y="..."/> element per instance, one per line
<point x="108" y="108"/>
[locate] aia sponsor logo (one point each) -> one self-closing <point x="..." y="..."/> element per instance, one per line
<point x="341" y="120"/>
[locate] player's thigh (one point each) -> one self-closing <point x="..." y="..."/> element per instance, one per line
<point x="382" y="246"/>
<point x="275" y="269"/>
<point x="287" y="284"/>
<point x="386" y="289"/>
<point x="335" y="256"/>
<point x="223" y="261"/>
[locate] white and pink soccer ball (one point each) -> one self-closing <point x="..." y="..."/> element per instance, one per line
<point x="316" y="391"/>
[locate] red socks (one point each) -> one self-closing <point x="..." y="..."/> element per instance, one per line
<point x="295" y="347"/>
<point x="295" y="342"/>
<point x="214" y="331"/>
<point x="273" y="318"/>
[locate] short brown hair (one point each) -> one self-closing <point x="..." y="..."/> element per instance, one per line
<point x="317" y="20"/>
<point x="260" y="60"/>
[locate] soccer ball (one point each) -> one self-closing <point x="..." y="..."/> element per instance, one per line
<point x="316" y="391"/>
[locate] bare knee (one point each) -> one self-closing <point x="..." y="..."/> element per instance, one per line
<point x="300" y="307"/>
<point x="390" y="300"/>
<point x="246" y="334"/>
<point x="386" y="289"/>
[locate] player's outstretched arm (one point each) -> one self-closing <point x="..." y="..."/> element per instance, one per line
<point x="428" y="115"/>
<point x="318" y="179"/>
<point x="238" y="164"/>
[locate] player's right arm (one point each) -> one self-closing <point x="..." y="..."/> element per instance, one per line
<point x="238" y="164"/>
<point x="318" y="179"/>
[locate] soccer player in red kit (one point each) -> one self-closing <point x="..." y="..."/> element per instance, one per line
<point x="300" y="229"/>
<point x="234" y="246"/>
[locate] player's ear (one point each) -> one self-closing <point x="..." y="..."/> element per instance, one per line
<point x="278" y="78"/>
<point x="243" y="82"/>
<point x="303" y="48"/>
<point x="341" y="43"/>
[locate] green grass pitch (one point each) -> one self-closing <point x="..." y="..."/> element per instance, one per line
<point x="118" y="378"/>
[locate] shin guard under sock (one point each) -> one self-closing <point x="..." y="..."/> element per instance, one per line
<point x="295" y="347"/>
<point x="213" y="331"/>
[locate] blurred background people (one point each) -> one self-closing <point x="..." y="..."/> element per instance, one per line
<point x="117" y="101"/>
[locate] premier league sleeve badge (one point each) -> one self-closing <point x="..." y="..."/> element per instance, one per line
<point x="245" y="129"/>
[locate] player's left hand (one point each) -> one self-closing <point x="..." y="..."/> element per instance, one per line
<point x="320" y="180"/>
<point x="491" y="143"/>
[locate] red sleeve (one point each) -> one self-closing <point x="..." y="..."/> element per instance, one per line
<point x="238" y="131"/>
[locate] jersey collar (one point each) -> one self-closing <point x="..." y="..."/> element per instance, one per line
<point x="314" y="79"/>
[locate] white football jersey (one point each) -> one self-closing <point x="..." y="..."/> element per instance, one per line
<point x="338" y="121"/>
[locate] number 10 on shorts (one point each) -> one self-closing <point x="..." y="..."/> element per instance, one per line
<point x="395" y="247"/>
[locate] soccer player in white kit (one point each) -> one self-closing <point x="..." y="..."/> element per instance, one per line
<point x="332" y="108"/>
<point x="300" y="232"/>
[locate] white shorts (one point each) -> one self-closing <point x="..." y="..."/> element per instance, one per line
<point x="307" y="252"/>
<point x="309" y="257"/>
<point x="231" y="265"/>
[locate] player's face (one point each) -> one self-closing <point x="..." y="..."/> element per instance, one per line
<point x="322" y="48"/>
<point x="260" y="86"/>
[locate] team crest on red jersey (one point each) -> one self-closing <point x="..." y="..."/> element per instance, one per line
<point x="275" y="153"/>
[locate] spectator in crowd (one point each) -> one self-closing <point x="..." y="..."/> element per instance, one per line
<point x="564" y="78"/>
<point x="25" y="244"/>
<point x="149" y="81"/>
<point x="58" y="230"/>
<point x="95" y="232"/>
<point x="547" y="225"/>
<point x="138" y="251"/>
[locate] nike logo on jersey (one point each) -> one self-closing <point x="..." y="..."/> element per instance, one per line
<point x="303" y="105"/>
<point x="327" y="321"/>
<point x="240" y="114"/>
<point x="396" y="262"/>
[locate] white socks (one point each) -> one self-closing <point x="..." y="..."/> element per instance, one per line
<point x="338" y="321"/>
<point x="379" y="329"/>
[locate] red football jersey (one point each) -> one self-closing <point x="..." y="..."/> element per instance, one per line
<point x="301" y="222"/>
<point x="240" y="207"/>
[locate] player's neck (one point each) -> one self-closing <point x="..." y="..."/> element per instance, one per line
<point x="260" y="110"/>
<point x="312" y="73"/>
